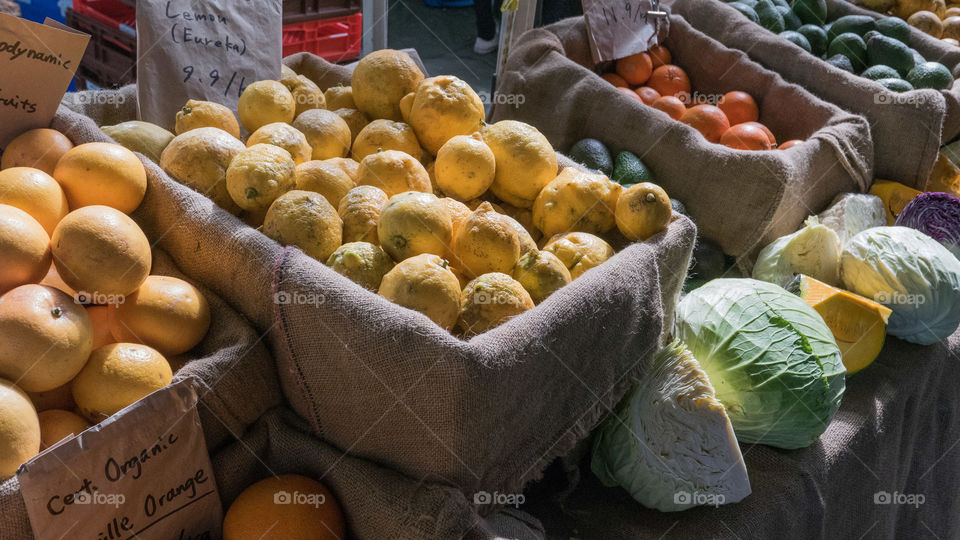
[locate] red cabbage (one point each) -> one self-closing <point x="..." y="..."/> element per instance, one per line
<point x="936" y="215"/>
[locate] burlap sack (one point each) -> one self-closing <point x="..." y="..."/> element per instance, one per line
<point x="907" y="128"/>
<point x="741" y="200"/>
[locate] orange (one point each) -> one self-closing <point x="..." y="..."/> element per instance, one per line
<point x="670" y="105"/>
<point x="47" y="337"/>
<point x="628" y="92"/>
<point x="19" y="429"/>
<point x="745" y="137"/>
<point x="100" y="318"/>
<point x="37" y="148"/>
<point x="285" y="507"/>
<point x="36" y="193"/>
<point x="659" y="55"/>
<point x="165" y="313"/>
<point x="102" y="173"/>
<point x="60" y="397"/>
<point x="647" y="95"/>
<point x="766" y="130"/>
<point x="739" y="107"/>
<point x="615" y="80"/>
<point x="708" y="120"/>
<point x="635" y="69"/>
<point x="670" y="80"/>
<point x="116" y="376"/>
<point x="54" y="280"/>
<point x="24" y="249"/>
<point x="789" y="144"/>
<point x="58" y="424"/>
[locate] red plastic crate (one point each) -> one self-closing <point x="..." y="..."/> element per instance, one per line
<point x="334" y="40"/>
<point x="114" y="13"/>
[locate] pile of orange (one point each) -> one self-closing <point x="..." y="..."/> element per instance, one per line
<point x="651" y="78"/>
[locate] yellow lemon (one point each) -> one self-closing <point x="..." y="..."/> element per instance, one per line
<point x="165" y="313"/>
<point x="643" y="210"/>
<point x="324" y="178"/>
<point x="36" y="193"/>
<point x="339" y="97"/>
<point x="424" y="283"/>
<point x="102" y="173"/>
<point x="285" y="136"/>
<point x="443" y="107"/>
<point x="117" y="376"/>
<point x="382" y="135"/>
<point x="541" y="274"/>
<point x="486" y="242"/>
<point x="306" y="94"/>
<point x="258" y="175"/>
<point x="579" y="251"/>
<point x="286" y="73"/>
<point x="360" y="211"/>
<point x="265" y="102"/>
<point x="523" y="216"/>
<point x="526" y="241"/>
<point x="576" y="201"/>
<point x="489" y="301"/>
<point x="355" y="120"/>
<point x="58" y="424"/>
<point x="19" y="429"/>
<point x="197" y="114"/>
<point x="306" y="220"/>
<point x="394" y="172"/>
<point x="459" y="213"/>
<point x="381" y="79"/>
<point x="362" y="262"/>
<point x="285" y="507"/>
<point x="347" y="165"/>
<point x="465" y="167"/>
<point x="413" y="223"/>
<point x="327" y="134"/>
<point x="24" y="249"/>
<point x="525" y="161"/>
<point x="199" y="160"/>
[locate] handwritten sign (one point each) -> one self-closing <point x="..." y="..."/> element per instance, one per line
<point x="37" y="63"/>
<point x="143" y="473"/>
<point x="205" y="50"/>
<point x="619" y="28"/>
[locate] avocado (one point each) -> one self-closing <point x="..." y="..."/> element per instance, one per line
<point x="810" y="11"/>
<point x="770" y="18"/>
<point x="877" y="72"/>
<point x="917" y="57"/>
<point x="745" y="10"/>
<point x="840" y="61"/>
<point x="783" y="3"/>
<point x="857" y="24"/>
<point x="816" y="37"/>
<point x="930" y="75"/>
<point x="628" y="169"/>
<point x="593" y="154"/>
<point x="851" y="46"/>
<point x="896" y="28"/>
<point x="870" y="34"/>
<point x="790" y="20"/>
<point x="749" y="3"/>
<point x="896" y="85"/>
<point x="797" y="39"/>
<point x="887" y="51"/>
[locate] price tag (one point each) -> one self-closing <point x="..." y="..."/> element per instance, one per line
<point x="204" y="50"/>
<point x="37" y="63"/>
<point x="618" y="28"/>
<point x="143" y="473"/>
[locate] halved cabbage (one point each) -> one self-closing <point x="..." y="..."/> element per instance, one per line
<point x="852" y="213"/>
<point x="814" y="250"/>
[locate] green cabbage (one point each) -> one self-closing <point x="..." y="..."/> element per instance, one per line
<point x="772" y="359"/>
<point x="814" y="251"/>
<point x="910" y="273"/>
<point x="670" y="443"/>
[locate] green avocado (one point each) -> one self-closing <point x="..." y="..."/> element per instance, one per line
<point x="896" y="85"/>
<point x="770" y="18"/>
<point x="840" y="61"/>
<point x="797" y="39"/>
<point x="790" y="19"/>
<point x="896" y="28"/>
<point x="810" y="11"/>
<point x="593" y="154"/>
<point x="877" y="72"/>
<point x="628" y="169"/>
<point x="886" y="51"/>
<point x="749" y="3"/>
<point x="745" y="10"/>
<point x="851" y="46"/>
<point x="857" y="24"/>
<point x="932" y="75"/>
<point x="816" y="36"/>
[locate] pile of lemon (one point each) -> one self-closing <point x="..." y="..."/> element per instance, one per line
<point x="398" y="183"/>
<point x="85" y="330"/>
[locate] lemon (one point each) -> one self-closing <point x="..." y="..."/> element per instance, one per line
<point x="576" y="201"/>
<point x="526" y="241"/>
<point x="441" y="108"/>
<point x="394" y="172"/>
<point x="285" y="136"/>
<point x="414" y="223"/>
<point x="261" y="512"/>
<point x="197" y="114"/>
<point x="465" y="167"/>
<point x="306" y="94"/>
<point x="579" y="251"/>
<point x="102" y="173"/>
<point x="347" y="165"/>
<point x="362" y="262"/>
<point x="525" y="161"/>
<point x="541" y="274"/>
<point x="360" y="211"/>
<point x="355" y="120"/>
<point x="385" y="135"/>
<point x="489" y="301"/>
<point x="324" y="178"/>
<point x="486" y="242"/>
<point x="327" y="134"/>
<point x="24" y="249"/>
<point x="199" y="159"/>
<point x="459" y="213"/>
<point x="19" y="429"/>
<point x="424" y="283"/>
<point x="117" y="376"/>
<point x="286" y="73"/>
<point x="642" y="211"/>
<point x="523" y="216"/>
<point x="265" y="102"/>
<point x="258" y="175"/>
<point x="340" y="97"/>
<point x="306" y="220"/>
<point x="165" y="313"/>
<point x="381" y="79"/>
<point x="58" y="424"/>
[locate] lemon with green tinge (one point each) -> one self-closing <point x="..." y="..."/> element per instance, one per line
<point x="424" y="283"/>
<point x="258" y="175"/>
<point x="489" y="301"/>
<point x="362" y="262"/>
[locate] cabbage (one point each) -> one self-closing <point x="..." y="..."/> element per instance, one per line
<point x="771" y="357"/>
<point x="670" y="443"/>
<point x="814" y="251"/>
<point x="936" y="215"/>
<point x="910" y="273"/>
<point x="852" y="213"/>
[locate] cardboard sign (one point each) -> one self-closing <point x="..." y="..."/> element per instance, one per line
<point x="142" y="473"/>
<point x="37" y="63"/>
<point x="205" y="50"/>
<point x="619" y="28"/>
